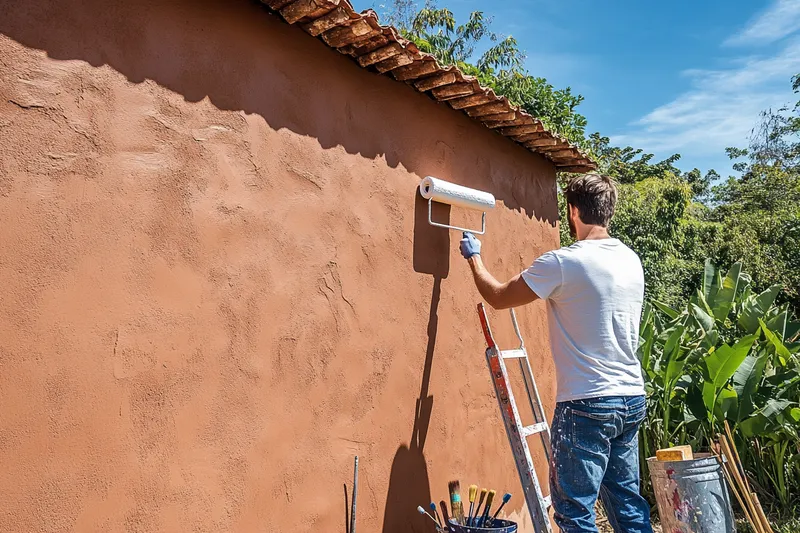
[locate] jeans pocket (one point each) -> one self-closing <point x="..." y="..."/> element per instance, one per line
<point x="591" y="432"/>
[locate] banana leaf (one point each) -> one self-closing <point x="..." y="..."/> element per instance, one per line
<point x="783" y="353"/>
<point x="703" y="303"/>
<point x="765" y="418"/>
<point x="727" y="403"/>
<point x="746" y="380"/>
<point x="667" y="310"/>
<point x="756" y="307"/>
<point x="709" y="276"/>
<point x="711" y="339"/>
<point x="777" y="322"/>
<point x="694" y="401"/>
<point x="705" y="320"/>
<point x="721" y="365"/>
<point x="723" y="300"/>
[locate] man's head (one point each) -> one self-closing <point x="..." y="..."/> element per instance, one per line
<point x="591" y="199"/>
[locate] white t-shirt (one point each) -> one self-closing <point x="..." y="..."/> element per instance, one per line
<point x="594" y="291"/>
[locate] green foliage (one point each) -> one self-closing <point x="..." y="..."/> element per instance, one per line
<point x="435" y="31"/>
<point x="555" y="107"/>
<point x="759" y="212"/>
<point x="727" y="353"/>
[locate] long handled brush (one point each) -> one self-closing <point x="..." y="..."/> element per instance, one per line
<point x="435" y="514"/>
<point x="489" y="500"/>
<point x="355" y="493"/>
<point x="421" y="510"/>
<point x="473" y="491"/>
<point x="445" y="516"/>
<point x="474" y="518"/>
<point x="455" y="501"/>
<point x="506" y="497"/>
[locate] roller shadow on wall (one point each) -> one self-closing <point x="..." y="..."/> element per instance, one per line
<point x="409" y="485"/>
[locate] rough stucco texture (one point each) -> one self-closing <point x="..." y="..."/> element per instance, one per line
<point x="218" y="284"/>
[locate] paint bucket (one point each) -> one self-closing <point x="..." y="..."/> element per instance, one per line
<point x="501" y="526"/>
<point x="692" y="495"/>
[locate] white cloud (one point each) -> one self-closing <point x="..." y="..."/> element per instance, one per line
<point x="720" y="109"/>
<point x="782" y="18"/>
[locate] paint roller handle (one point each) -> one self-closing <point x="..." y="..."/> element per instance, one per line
<point x="470" y="245"/>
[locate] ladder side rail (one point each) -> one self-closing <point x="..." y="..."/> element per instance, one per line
<point x="531" y="388"/>
<point x="536" y="501"/>
<point x="537" y="413"/>
<point x="545" y="435"/>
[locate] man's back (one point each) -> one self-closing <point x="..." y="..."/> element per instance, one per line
<point x="594" y="291"/>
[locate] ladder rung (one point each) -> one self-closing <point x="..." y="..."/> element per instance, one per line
<point x="547" y="502"/>
<point x="511" y="354"/>
<point x="534" y="429"/>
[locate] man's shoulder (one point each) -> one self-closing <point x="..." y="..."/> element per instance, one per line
<point x="585" y="251"/>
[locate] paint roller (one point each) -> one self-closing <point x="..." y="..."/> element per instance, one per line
<point x="444" y="192"/>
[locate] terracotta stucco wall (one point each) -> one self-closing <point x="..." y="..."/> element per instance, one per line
<point x="218" y="284"/>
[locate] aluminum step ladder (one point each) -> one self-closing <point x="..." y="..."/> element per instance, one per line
<point x="538" y="504"/>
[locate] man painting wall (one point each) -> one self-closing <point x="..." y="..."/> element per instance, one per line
<point x="594" y="291"/>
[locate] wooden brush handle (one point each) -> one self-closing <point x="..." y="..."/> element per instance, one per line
<point x="445" y="516"/>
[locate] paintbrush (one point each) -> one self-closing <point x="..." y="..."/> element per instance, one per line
<point x="455" y="501"/>
<point x="473" y="491"/>
<point x="506" y="497"/>
<point x="489" y="500"/>
<point x="478" y="510"/>
<point x="436" y="514"/>
<point x="421" y="510"/>
<point x="445" y="516"/>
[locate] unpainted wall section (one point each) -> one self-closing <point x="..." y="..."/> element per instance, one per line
<point x="219" y="284"/>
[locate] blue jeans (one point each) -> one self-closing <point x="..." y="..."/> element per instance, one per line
<point x="596" y="451"/>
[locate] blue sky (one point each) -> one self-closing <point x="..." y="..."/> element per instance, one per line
<point x="686" y="76"/>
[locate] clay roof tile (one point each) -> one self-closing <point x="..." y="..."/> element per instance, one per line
<point x="384" y="50"/>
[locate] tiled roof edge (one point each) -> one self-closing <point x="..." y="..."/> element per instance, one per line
<point x="383" y="49"/>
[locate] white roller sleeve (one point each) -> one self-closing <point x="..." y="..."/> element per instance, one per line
<point x="458" y="195"/>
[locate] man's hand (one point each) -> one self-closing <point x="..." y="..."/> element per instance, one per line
<point x="513" y="293"/>
<point x="470" y="245"/>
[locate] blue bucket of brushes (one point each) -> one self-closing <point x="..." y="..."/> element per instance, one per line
<point x="498" y="526"/>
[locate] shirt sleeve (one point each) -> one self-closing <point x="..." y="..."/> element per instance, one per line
<point x="544" y="276"/>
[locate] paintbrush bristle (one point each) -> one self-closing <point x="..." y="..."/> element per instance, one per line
<point x="455" y="501"/>
<point x="473" y="491"/>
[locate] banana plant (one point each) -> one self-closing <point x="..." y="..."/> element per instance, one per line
<point x="729" y="354"/>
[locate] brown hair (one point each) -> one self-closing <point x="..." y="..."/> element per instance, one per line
<point x="595" y="196"/>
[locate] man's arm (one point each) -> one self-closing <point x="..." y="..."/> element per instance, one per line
<point x="512" y="293"/>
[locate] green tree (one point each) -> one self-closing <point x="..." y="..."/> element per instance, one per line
<point x="760" y="210"/>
